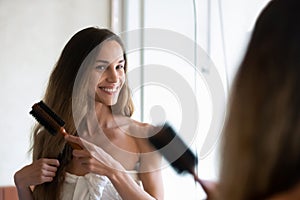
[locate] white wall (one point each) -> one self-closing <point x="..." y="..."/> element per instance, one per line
<point x="32" y="35"/>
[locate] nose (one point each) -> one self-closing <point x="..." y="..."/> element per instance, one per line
<point x="112" y="75"/>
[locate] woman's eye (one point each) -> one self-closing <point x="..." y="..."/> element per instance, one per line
<point x="119" y="67"/>
<point x="101" y="67"/>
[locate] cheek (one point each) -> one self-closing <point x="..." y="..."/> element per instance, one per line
<point x="95" y="78"/>
<point x="93" y="82"/>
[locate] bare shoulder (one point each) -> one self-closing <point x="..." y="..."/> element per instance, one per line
<point x="141" y="132"/>
<point x="150" y="158"/>
<point x="140" y="129"/>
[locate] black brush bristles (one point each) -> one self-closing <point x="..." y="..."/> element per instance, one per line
<point x="51" y="113"/>
<point x="46" y="117"/>
<point x="175" y="151"/>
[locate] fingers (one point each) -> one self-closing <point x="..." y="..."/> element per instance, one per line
<point x="50" y="162"/>
<point x="74" y="141"/>
<point x="93" y="166"/>
<point x="82" y="156"/>
<point x="211" y="189"/>
<point x="84" y="159"/>
<point x="45" y="170"/>
<point x="48" y="173"/>
<point x="46" y="165"/>
<point x="40" y="171"/>
<point x="81" y="153"/>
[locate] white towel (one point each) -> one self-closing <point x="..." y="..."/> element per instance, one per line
<point x="88" y="187"/>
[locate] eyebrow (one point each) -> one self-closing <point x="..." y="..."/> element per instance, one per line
<point x="104" y="61"/>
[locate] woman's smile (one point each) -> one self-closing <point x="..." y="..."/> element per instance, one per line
<point x="110" y="90"/>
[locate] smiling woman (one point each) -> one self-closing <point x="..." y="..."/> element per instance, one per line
<point x="88" y="88"/>
<point x="37" y="32"/>
<point x="109" y="73"/>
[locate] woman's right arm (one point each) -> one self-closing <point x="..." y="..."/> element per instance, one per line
<point x="96" y="160"/>
<point x="40" y="171"/>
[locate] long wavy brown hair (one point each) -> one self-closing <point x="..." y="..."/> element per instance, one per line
<point x="261" y="143"/>
<point x="59" y="96"/>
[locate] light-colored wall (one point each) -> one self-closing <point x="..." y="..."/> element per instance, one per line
<point x="32" y="35"/>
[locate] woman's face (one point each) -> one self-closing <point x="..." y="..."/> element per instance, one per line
<point x="108" y="73"/>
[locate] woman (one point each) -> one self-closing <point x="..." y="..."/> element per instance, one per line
<point x="88" y="89"/>
<point x="261" y="150"/>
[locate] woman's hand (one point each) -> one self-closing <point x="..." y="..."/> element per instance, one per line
<point x="92" y="158"/>
<point x="40" y="171"/>
<point x="211" y="189"/>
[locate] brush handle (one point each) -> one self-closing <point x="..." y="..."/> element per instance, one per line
<point x="63" y="131"/>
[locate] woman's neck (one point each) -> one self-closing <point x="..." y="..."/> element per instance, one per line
<point x="102" y="116"/>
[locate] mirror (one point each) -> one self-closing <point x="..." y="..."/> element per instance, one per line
<point x="33" y="34"/>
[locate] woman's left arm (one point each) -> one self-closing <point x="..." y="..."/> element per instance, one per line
<point x="150" y="169"/>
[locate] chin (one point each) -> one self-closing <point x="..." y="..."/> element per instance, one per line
<point x="109" y="103"/>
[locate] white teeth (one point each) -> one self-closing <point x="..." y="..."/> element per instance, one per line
<point x="109" y="89"/>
